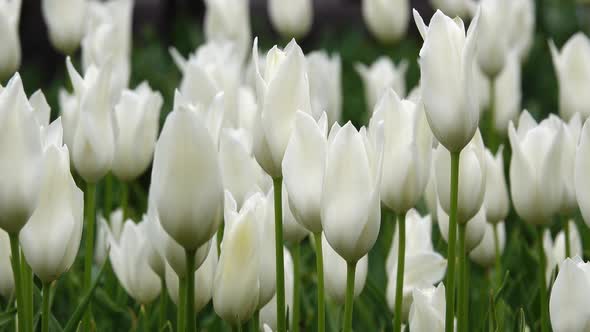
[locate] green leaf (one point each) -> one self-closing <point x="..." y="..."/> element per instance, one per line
<point x="7" y="316"/>
<point x="521" y="321"/>
<point x="75" y="319"/>
<point x="502" y="286"/>
<point x="166" y="327"/>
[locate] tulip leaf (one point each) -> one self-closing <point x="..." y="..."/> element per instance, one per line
<point x="7" y="316"/>
<point x="166" y="327"/>
<point x="521" y="321"/>
<point x="77" y="315"/>
<point x="104" y="299"/>
<point x="500" y="289"/>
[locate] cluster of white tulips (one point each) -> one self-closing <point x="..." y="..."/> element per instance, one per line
<point x="253" y="159"/>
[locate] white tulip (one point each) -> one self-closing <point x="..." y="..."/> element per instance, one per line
<point x="569" y="305"/>
<point x="582" y="173"/>
<point x="335" y="273"/>
<point x="268" y="313"/>
<point x="65" y="22"/>
<point x="227" y="20"/>
<point x="484" y="254"/>
<point x="292" y="19"/>
<point x="427" y="313"/>
<point x="303" y="170"/>
<point x="482" y="87"/>
<point x="381" y="76"/>
<point x="293" y="232"/>
<point x="452" y="8"/>
<point x="571" y="137"/>
<point x="474" y="232"/>
<point x="507" y="94"/>
<point x="535" y="168"/>
<point x="6" y="276"/>
<point x="68" y="106"/>
<point x="325" y="83"/>
<point x="555" y="249"/>
<point x="93" y="140"/>
<point x="130" y="263"/>
<point x="522" y="24"/>
<point x="550" y="261"/>
<point x="493" y="46"/>
<point x="136" y="117"/>
<point x="350" y="211"/>
<point x="247" y="108"/>
<point x="496" y="197"/>
<point x="447" y="79"/>
<point x="387" y="20"/>
<point x="407" y="150"/>
<point x="572" y="66"/>
<point x="112" y="228"/>
<point x="283" y="89"/>
<point x="430" y="192"/>
<point x="10" y="56"/>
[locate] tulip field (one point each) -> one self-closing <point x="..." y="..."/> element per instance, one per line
<point x="309" y="165"/>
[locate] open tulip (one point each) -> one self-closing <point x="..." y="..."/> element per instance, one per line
<point x="493" y="46"/>
<point x="446" y="67"/>
<point x="268" y="313"/>
<point x="484" y="254"/>
<point x="427" y="313"/>
<point x="325" y="84"/>
<point x="335" y="273"/>
<point x="136" y="120"/>
<point x="10" y="56"/>
<point x="387" y="20"/>
<point x="381" y="76"/>
<point x="496" y="191"/>
<point x="474" y="231"/>
<point x="65" y="22"/>
<point x="572" y="66"/>
<point x="292" y="19"/>
<point x="569" y="306"/>
<point x="582" y="173"/>
<point x="229" y="21"/>
<point x="6" y="277"/>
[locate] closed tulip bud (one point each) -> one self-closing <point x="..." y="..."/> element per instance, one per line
<point x="427" y="313"/>
<point x="283" y="89"/>
<point x="572" y="66"/>
<point x="522" y="33"/>
<point x="268" y="313"/>
<point x="452" y="8"/>
<point x="236" y="286"/>
<point x="6" y="276"/>
<point x="423" y="266"/>
<point x="582" y="173"/>
<point x="571" y="137"/>
<point x="292" y="19"/>
<point x="303" y="170"/>
<point x="293" y="232"/>
<point x="493" y="46"/>
<point x="186" y="187"/>
<point x="381" y="76"/>
<point x="51" y="238"/>
<point x="65" y="22"/>
<point x="21" y="157"/>
<point x="203" y="278"/>
<point x="136" y="129"/>
<point x="484" y="254"/>
<point x="350" y="210"/>
<point x="407" y="150"/>
<point x="472" y="172"/>
<point x="105" y="230"/>
<point x="10" y="55"/>
<point x="507" y="94"/>
<point x="386" y="20"/>
<point x="474" y="232"/>
<point x="535" y="168"/>
<point x="482" y="88"/>
<point x="569" y="305"/>
<point x="93" y="140"/>
<point x="325" y="84"/>
<point x="227" y="20"/>
<point x="130" y="263"/>
<point x="447" y="85"/>
<point x="555" y="249"/>
<point x="496" y="193"/>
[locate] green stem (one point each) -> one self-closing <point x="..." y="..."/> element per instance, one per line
<point x="491" y="133"/>
<point x="191" y="321"/>
<point x="181" y="313"/>
<point x="319" y="258"/>
<point x="350" y="269"/>
<point x="89" y="250"/>
<point x="125" y="199"/>
<point x="280" y="274"/>
<point x="399" y="285"/>
<point x="255" y="322"/>
<point x="450" y="284"/>
<point x="498" y="256"/>
<point x="15" y="259"/>
<point x="27" y="287"/>
<point x="542" y="287"/>
<point x="108" y="192"/>
<point x="296" y="287"/>
<point x="163" y="304"/>
<point x="466" y="300"/>
<point x="45" y="313"/>
<point x="461" y="280"/>
<point x="568" y="248"/>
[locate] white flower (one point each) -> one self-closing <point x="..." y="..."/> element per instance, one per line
<point x="496" y="197"/>
<point x="555" y="249"/>
<point x="268" y="313"/>
<point x="428" y="309"/>
<point x="484" y="254"/>
<point x="65" y="21"/>
<point x="325" y="83"/>
<point x="387" y="20"/>
<point x="474" y="231"/>
<point x="229" y="20"/>
<point x="335" y="268"/>
<point x="10" y="55"/>
<point x="569" y="305"/>
<point x="291" y="18"/>
<point x="381" y="76"/>
<point x="6" y="276"/>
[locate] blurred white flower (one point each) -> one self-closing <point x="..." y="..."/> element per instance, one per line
<point x="381" y="76"/>
<point x="268" y="313"/>
<point x="65" y="21"/>
<point x="10" y="54"/>
<point x="229" y="20"/>
<point x="427" y="313"/>
<point x="496" y="198"/>
<point x="293" y="18"/>
<point x="582" y="173"/>
<point x="484" y="254"/>
<point x="555" y="249"/>
<point x="335" y="268"/>
<point x="387" y="20"/>
<point x="507" y="94"/>
<point x="325" y="84"/>
<point x="474" y="232"/>
<point x="6" y="276"/>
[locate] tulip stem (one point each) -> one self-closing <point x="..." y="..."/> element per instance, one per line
<point x="491" y="133"/>
<point x="191" y="321"/>
<point x="45" y="313"/>
<point x="350" y="270"/>
<point x="399" y="285"/>
<point x="108" y="192"/>
<point x="89" y="251"/>
<point x="462" y="292"/>
<point x="163" y="304"/>
<point x="27" y="286"/>
<point x="568" y="248"/>
<point x="280" y="274"/>
<point x="542" y="287"/>
<point x="498" y="256"/>
<point x="319" y="258"/>
<point x="254" y="322"/>
<point x="451" y="258"/>
<point x="296" y="286"/>
<point x="15" y="259"/>
<point x="124" y="200"/>
<point x="181" y="308"/>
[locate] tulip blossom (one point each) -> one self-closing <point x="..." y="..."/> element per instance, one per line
<point x="386" y="20"/>
<point x="65" y="22"/>
<point x="113" y="228"/>
<point x="484" y="254"/>
<point x="522" y="33"/>
<point x="292" y="19"/>
<point x="335" y="273"/>
<point x="446" y="67"/>
<point x="10" y="55"/>
<point x="569" y="306"/>
<point x="427" y="313"/>
<point x="381" y="76"/>
<point x="474" y="231"/>
<point x="6" y="277"/>
<point x="581" y="173"/>
<point x="496" y="197"/>
<point x="227" y="20"/>
<point x="507" y="94"/>
<point x="572" y="66"/>
<point x="430" y="193"/>
<point x="325" y="83"/>
<point x="268" y="313"/>
<point x="555" y="248"/>
<point x="136" y="118"/>
<point x="571" y="137"/>
<point x="493" y="46"/>
<point x="293" y="232"/>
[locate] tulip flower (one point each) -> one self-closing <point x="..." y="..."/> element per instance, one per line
<point x="555" y="249"/>
<point x="427" y="313"/>
<point x="484" y="254"/>
<point x="507" y="94"/>
<point x="492" y="46"/>
<point x="65" y="23"/>
<point x="136" y="120"/>
<point x="430" y="195"/>
<point x="113" y="227"/>
<point x="571" y="137"/>
<point x="386" y="20"/>
<point x="268" y="313"/>
<point x="569" y="305"/>
<point x="573" y="75"/>
<point x="474" y="231"/>
<point x="380" y="76"/>
<point x="292" y="19"/>
<point x="293" y="232"/>
<point x="496" y="197"/>
<point x="581" y="173"/>
<point x="6" y="277"/>
<point x="325" y="83"/>
<point x="423" y="266"/>
<point x="523" y="27"/>
<point x="130" y="263"/>
<point x="452" y="8"/>
<point x="10" y="55"/>
<point x="229" y="21"/>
